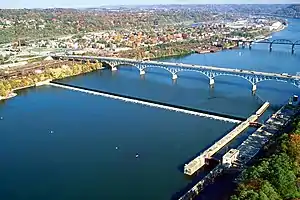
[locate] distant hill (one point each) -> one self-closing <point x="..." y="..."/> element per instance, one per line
<point x="290" y="11"/>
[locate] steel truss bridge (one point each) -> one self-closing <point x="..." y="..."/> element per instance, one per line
<point x="210" y="72"/>
<point x="270" y="42"/>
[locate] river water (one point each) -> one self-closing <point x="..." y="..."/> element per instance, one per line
<point x="61" y="144"/>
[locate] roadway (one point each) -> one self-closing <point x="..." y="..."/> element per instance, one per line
<point x="182" y="65"/>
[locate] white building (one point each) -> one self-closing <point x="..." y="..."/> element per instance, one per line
<point x="275" y="26"/>
<point x="230" y="157"/>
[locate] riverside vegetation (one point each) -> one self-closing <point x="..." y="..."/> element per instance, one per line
<point x="277" y="176"/>
<point x="171" y="49"/>
<point x="7" y="86"/>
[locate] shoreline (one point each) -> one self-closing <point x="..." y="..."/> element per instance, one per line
<point x="190" y="52"/>
<point x="170" y="56"/>
<point x="9" y="96"/>
<point x="13" y="92"/>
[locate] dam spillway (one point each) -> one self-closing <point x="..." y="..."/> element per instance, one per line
<point x="151" y="103"/>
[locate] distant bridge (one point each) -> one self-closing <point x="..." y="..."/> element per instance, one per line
<point x="270" y="42"/>
<point x="253" y="77"/>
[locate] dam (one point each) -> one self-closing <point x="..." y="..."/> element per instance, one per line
<point x="199" y="161"/>
<point x="151" y="103"/>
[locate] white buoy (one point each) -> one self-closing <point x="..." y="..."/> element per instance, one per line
<point x="51" y="132"/>
<point x="1" y="118"/>
<point x="117" y="148"/>
<point x="136" y="155"/>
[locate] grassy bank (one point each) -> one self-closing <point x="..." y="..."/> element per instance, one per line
<point x="71" y="69"/>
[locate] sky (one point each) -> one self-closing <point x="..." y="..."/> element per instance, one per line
<point x="97" y="3"/>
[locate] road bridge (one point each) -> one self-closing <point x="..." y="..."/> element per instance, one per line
<point x="210" y="72"/>
<point x="293" y="44"/>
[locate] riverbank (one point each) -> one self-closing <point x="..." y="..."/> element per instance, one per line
<point x="171" y="56"/>
<point x="10" y="95"/>
<point x="284" y="120"/>
<point x="276" y="174"/>
<point x="38" y="77"/>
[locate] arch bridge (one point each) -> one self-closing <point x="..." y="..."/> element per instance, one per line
<point x="270" y="42"/>
<point x="210" y="72"/>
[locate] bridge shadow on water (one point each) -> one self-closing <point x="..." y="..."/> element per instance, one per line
<point x="194" y="80"/>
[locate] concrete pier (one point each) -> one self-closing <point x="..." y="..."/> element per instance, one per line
<point x="43" y="82"/>
<point x="254" y="88"/>
<point x="199" y="161"/>
<point x="250" y="147"/>
<point x="174" y="76"/>
<point x="114" y="69"/>
<point x="142" y="72"/>
<point x="211" y="82"/>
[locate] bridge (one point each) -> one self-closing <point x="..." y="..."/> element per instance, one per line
<point x="209" y="72"/>
<point x="270" y="42"/>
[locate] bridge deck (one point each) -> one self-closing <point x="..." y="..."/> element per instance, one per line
<point x="182" y="65"/>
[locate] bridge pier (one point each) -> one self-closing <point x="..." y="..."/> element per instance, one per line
<point x="114" y="69"/>
<point x="243" y="45"/>
<point x="211" y="82"/>
<point x="254" y="88"/>
<point x="174" y="76"/>
<point x="250" y="45"/>
<point x="142" y="72"/>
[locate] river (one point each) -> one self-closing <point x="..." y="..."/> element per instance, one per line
<point x="60" y="144"/>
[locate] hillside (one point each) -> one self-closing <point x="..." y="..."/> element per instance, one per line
<point x="290" y="11"/>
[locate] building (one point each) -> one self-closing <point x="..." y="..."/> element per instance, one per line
<point x="230" y="157"/>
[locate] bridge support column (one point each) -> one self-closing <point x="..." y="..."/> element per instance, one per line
<point x="142" y="72"/>
<point x="211" y="82"/>
<point x="174" y="76"/>
<point x="243" y="45"/>
<point x="293" y="50"/>
<point x="250" y="45"/>
<point x="114" y="69"/>
<point x="254" y="88"/>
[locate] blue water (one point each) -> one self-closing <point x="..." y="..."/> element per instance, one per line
<point x="91" y="151"/>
